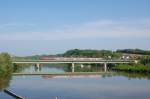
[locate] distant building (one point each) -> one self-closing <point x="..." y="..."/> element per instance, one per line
<point x="126" y="57"/>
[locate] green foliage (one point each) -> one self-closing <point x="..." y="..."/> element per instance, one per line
<point x="91" y="53"/>
<point x="5" y="70"/>
<point x="5" y="63"/>
<point x="18" y="67"/>
<point x="4" y="81"/>
<point x="132" y="68"/>
<point x="145" y="60"/>
<point x="89" y="69"/>
<point x="134" y="51"/>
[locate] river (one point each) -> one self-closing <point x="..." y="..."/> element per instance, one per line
<point x="108" y="85"/>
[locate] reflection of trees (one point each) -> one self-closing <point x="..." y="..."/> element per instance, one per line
<point x="5" y="70"/>
<point x="4" y="80"/>
<point x="133" y="75"/>
<point x="85" y="68"/>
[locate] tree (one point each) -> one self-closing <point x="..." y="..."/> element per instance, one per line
<point x="5" y="70"/>
<point x="145" y="60"/>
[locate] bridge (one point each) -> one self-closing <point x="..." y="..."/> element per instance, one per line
<point x="74" y="61"/>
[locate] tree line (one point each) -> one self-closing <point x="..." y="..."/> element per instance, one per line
<point x="134" y="51"/>
<point x="91" y="53"/>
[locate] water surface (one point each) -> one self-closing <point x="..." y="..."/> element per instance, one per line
<point x="102" y="86"/>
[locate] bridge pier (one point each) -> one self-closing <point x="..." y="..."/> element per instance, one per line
<point x="38" y="66"/>
<point x="105" y="67"/>
<point x="72" y="67"/>
<point x="82" y="66"/>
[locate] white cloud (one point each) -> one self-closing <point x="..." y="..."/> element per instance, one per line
<point x="101" y="28"/>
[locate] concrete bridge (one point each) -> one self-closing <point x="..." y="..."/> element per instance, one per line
<point x="74" y="61"/>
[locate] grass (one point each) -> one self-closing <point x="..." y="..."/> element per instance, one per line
<point x="132" y="68"/>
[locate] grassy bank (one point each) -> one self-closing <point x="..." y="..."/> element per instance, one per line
<point x="133" y="68"/>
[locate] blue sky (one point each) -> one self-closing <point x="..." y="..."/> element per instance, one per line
<point x="29" y="27"/>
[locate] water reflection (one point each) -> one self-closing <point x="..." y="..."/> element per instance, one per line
<point x="108" y="85"/>
<point x="64" y="68"/>
<point x="58" y="68"/>
<point x="87" y="68"/>
<point x="4" y="80"/>
<point x="72" y="76"/>
<point x="133" y="75"/>
<point x="45" y="68"/>
<point x="17" y="68"/>
<point x="103" y="86"/>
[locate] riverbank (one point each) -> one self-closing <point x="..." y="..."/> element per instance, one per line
<point x="139" y="68"/>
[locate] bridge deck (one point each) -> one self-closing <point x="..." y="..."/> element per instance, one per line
<point x="74" y="61"/>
